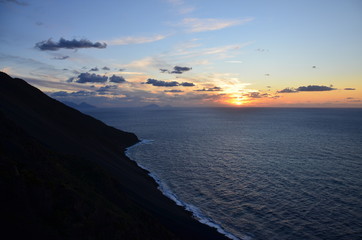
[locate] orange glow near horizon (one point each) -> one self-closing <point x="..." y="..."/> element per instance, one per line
<point x="337" y="98"/>
<point x="236" y="100"/>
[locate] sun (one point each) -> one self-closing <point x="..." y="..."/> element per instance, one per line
<point x="237" y="100"/>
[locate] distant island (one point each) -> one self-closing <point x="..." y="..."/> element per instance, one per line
<point x="64" y="175"/>
<point x="154" y="106"/>
<point x="81" y="106"/>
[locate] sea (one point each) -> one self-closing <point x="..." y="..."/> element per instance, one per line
<point x="254" y="173"/>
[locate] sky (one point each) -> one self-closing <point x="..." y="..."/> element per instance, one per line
<point x="253" y="53"/>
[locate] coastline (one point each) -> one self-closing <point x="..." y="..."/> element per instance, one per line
<point x="195" y="211"/>
<point x="173" y="216"/>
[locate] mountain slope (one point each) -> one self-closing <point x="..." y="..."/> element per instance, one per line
<point x="64" y="175"/>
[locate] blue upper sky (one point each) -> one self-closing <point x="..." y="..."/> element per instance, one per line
<point x="187" y="53"/>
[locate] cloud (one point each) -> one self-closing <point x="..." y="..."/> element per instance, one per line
<point x="95" y="69"/>
<point x="50" y="45"/>
<point x="351" y="99"/>
<point x="288" y="90"/>
<point x="257" y="95"/>
<point x="185" y="10"/>
<point x="222" y="51"/>
<point x="95" y="78"/>
<point x="89" y="78"/>
<point x="15" y="1"/>
<point x="60" y="57"/>
<point x="159" y="83"/>
<point x="181" y="7"/>
<point x="72" y="94"/>
<point x="214" y="89"/>
<point x="234" y="61"/>
<point x="106" y="68"/>
<point x="136" y="40"/>
<point x="187" y="84"/>
<point x="180" y="70"/>
<point x="349" y="89"/>
<point x="173" y="91"/>
<point x="107" y="89"/>
<point x="211" y="24"/>
<point x="176" y="2"/>
<point x="314" y="88"/>
<point x="176" y="70"/>
<point x="146" y="63"/>
<point x="309" y="88"/>
<point x="117" y="79"/>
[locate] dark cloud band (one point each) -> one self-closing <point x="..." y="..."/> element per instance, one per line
<point x="173" y="91"/>
<point x="288" y="90"/>
<point x="214" y="89"/>
<point x="72" y="94"/>
<point x="160" y="83"/>
<point x="117" y="79"/>
<point x="176" y="70"/>
<point x="50" y="45"/>
<point x="96" y="78"/>
<point x="315" y="88"/>
<point x="309" y="88"/>
<point x="180" y="70"/>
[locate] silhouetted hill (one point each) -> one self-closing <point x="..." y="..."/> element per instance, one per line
<point x="64" y="175"/>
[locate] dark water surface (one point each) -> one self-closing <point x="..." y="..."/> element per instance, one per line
<point x="256" y="173"/>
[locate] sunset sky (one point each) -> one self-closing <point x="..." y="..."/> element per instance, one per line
<point x="114" y="53"/>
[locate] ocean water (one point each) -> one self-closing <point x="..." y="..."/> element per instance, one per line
<point x="255" y="173"/>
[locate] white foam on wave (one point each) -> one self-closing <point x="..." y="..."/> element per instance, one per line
<point x="196" y="212"/>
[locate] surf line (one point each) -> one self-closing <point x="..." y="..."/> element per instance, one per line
<point x="196" y="212"/>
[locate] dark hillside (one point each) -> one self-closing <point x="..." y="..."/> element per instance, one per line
<point x="64" y="175"/>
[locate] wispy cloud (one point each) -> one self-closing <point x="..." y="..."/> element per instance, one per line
<point x="220" y="51"/>
<point x="136" y="40"/>
<point x="181" y="7"/>
<point x="173" y="91"/>
<point x="176" y="2"/>
<point x="213" y="89"/>
<point x="211" y="24"/>
<point x="234" y="61"/>
<point x="60" y="57"/>
<point x="15" y="1"/>
<point x="147" y="62"/>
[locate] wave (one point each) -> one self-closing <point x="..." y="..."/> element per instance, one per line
<point x="196" y="212"/>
